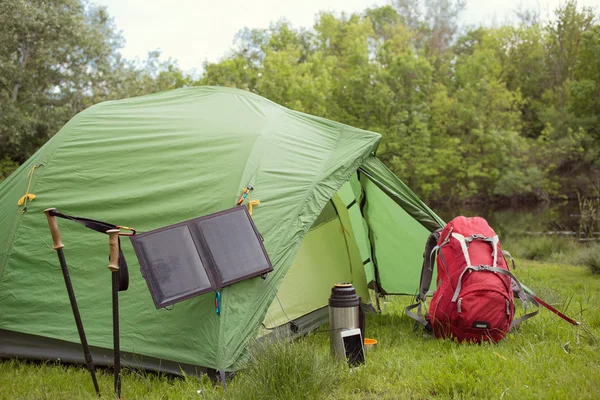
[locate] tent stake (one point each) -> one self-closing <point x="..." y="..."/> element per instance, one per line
<point x="58" y="246"/>
<point x="223" y="379"/>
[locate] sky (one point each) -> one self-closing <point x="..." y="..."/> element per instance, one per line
<point x="194" y="31"/>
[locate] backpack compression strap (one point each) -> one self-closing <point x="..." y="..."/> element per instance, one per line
<point x="526" y="298"/>
<point x="427" y="273"/>
<point x="102" y="227"/>
<point x="517" y="288"/>
<point x="426" y="277"/>
<point x="523" y="293"/>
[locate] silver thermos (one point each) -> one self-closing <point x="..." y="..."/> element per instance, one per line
<point x="344" y="313"/>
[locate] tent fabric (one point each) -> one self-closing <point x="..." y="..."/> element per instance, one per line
<point x="156" y="160"/>
<point x="397" y="234"/>
<point x="323" y="254"/>
<point x="355" y="264"/>
<point x="34" y="347"/>
<point x="351" y="194"/>
<point x="393" y="187"/>
<point x="397" y="240"/>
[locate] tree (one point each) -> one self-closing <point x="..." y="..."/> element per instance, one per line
<point x="51" y="53"/>
<point x="563" y="40"/>
<point x="585" y="89"/>
<point x="484" y="113"/>
<point x="57" y="58"/>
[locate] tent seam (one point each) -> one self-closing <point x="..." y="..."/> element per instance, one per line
<point x="259" y="142"/>
<point x="311" y="194"/>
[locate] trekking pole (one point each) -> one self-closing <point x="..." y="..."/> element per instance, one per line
<point x="555" y="311"/>
<point x="549" y="307"/>
<point x="113" y="265"/>
<point x="58" y="246"/>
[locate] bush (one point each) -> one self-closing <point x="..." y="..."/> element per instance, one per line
<point x="7" y="167"/>
<point x="556" y="249"/>
<point x="543" y="248"/>
<point x="590" y="257"/>
<point x="283" y="370"/>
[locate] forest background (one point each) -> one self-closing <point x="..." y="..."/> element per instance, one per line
<point x="508" y="113"/>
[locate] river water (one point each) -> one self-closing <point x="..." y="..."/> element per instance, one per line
<point x="564" y="219"/>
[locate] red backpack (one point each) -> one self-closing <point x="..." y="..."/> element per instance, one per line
<point x="474" y="300"/>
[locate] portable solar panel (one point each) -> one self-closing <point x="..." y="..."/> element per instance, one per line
<point x="200" y="255"/>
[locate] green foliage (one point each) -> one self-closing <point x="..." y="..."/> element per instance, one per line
<point x="7" y="166"/>
<point x="590" y="257"/>
<point x="282" y="370"/>
<point x="49" y="52"/>
<point x="506" y="112"/>
<point x="585" y="89"/>
<point x="543" y="248"/>
<point x="57" y="58"/>
<point x="481" y="113"/>
<point x="555" y="249"/>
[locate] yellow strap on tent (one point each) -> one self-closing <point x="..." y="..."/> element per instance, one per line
<point x="23" y="199"/>
<point x="28" y="196"/>
<point x="252" y="203"/>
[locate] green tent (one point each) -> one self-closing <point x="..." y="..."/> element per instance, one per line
<point x="329" y="211"/>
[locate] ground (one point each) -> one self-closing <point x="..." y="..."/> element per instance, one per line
<point x="545" y="358"/>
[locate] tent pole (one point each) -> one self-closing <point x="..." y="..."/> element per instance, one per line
<point x="376" y="286"/>
<point x="58" y="246"/>
<point x="113" y="266"/>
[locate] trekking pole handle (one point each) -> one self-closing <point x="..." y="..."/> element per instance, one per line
<point x="113" y="242"/>
<point x="57" y="243"/>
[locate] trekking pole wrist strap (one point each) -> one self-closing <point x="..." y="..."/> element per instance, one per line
<point x="103" y="227"/>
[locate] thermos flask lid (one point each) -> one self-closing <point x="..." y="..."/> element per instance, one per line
<point x="343" y="295"/>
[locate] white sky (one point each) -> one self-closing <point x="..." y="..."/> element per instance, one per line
<point x="192" y="31"/>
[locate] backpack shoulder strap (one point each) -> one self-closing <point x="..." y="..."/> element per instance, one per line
<point x="426" y="276"/>
<point x="428" y="263"/>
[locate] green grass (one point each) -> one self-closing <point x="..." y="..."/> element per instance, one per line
<point x="545" y="358"/>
